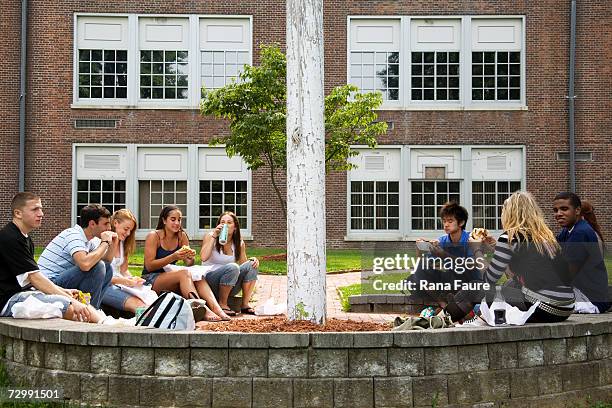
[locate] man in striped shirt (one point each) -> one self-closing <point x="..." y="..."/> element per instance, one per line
<point x="79" y="257"/>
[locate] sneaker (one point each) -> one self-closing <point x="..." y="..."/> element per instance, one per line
<point x="475" y="321"/>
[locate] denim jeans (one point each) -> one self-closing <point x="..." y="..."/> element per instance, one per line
<point x="94" y="281"/>
<point x="115" y="297"/>
<point x="231" y="275"/>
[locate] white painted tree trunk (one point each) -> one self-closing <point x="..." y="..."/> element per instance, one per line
<point x="305" y="162"/>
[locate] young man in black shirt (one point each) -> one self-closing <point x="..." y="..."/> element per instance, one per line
<point x="19" y="271"/>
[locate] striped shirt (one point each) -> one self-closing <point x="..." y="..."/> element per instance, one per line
<point x="543" y="278"/>
<point x="57" y="256"/>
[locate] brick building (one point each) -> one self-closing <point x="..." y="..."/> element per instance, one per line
<point x="475" y="96"/>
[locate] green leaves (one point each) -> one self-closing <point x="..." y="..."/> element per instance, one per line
<point x="256" y="108"/>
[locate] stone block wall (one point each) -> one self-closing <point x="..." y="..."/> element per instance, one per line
<point x="537" y="365"/>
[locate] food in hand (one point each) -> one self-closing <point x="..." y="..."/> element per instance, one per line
<point x="479" y="234"/>
<point x="188" y="248"/>
<point x="84" y="297"/>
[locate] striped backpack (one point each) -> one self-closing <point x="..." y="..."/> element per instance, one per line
<point x="169" y="311"/>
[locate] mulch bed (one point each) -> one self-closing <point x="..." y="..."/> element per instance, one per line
<point x="281" y="324"/>
<point x="275" y="257"/>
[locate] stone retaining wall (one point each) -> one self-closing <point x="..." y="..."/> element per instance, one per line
<point x="536" y="365"/>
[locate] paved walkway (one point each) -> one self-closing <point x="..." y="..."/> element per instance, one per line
<point x="276" y="286"/>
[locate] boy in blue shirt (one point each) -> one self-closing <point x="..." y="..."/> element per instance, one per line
<point x="453" y="244"/>
<point x="581" y="249"/>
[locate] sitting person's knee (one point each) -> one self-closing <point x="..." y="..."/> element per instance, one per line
<point x="230" y="277"/>
<point x="248" y="271"/>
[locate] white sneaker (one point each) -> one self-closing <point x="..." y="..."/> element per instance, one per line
<point x="475" y="321"/>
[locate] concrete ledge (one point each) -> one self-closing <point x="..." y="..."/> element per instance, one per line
<point x="552" y="363"/>
<point x="380" y="303"/>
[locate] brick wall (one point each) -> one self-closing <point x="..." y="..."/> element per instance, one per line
<point x="543" y="128"/>
<point x="10" y="26"/>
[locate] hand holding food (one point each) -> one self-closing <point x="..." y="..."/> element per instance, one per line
<point x="479" y="234"/>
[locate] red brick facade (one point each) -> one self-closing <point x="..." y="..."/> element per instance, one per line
<point x="543" y="128"/>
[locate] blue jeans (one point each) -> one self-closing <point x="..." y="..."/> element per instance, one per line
<point x="22" y="296"/>
<point x="231" y="275"/>
<point x="115" y="297"/>
<point x="94" y="281"/>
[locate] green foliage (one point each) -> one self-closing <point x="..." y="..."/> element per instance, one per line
<point x="345" y="291"/>
<point x="256" y="108"/>
<point x="302" y="314"/>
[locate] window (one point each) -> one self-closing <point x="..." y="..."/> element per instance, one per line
<point x="376" y="71"/>
<point x="374" y="60"/>
<point x="427" y="198"/>
<point x="496" y="76"/>
<point x="374" y="205"/>
<point x="374" y="191"/>
<point x="155" y="195"/>
<point x="164" y="74"/>
<point x="109" y="193"/>
<point x="224" y="186"/>
<point x="435" y="76"/>
<point x="101" y="60"/>
<point x="100" y="178"/>
<point x="202" y="181"/>
<point x="220" y="68"/>
<point x="487" y="200"/>
<point x="103" y="74"/>
<point x="218" y="196"/>
<point x="225" y="47"/>
<point x="428" y="63"/>
<point x="146" y="61"/>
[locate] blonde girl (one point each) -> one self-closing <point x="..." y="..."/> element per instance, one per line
<point x="530" y="250"/>
<point x="123" y="223"/>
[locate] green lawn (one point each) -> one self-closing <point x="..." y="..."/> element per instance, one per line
<point x="337" y="260"/>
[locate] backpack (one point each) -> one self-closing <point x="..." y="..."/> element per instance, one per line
<point x="169" y="311"/>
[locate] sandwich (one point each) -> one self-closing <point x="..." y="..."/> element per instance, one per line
<point x="188" y="248"/>
<point x="479" y="234"/>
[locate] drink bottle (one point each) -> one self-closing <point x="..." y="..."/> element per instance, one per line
<point x="223" y="235"/>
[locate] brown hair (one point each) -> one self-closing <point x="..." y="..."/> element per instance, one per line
<point x="93" y="212"/>
<point x="163" y="216"/>
<point x="588" y="214"/>
<point x="452" y="209"/>
<point x="236" y="239"/>
<point x="126" y="215"/>
<point x="21" y="199"/>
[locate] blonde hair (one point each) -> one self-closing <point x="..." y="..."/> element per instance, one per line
<point x="522" y="218"/>
<point x="126" y="215"/>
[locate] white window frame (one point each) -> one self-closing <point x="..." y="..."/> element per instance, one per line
<point x="245" y="231"/>
<point x="406" y="233"/>
<point x="133" y="100"/>
<point x="465" y="66"/>
<point x="132" y="187"/>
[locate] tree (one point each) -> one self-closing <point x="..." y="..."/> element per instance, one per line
<point x="256" y="109"/>
<point x="306" y="280"/>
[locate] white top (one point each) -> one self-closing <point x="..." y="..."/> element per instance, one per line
<point x="118" y="261"/>
<point x="217" y="259"/>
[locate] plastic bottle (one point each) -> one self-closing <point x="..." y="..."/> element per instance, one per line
<point x="223" y="235"/>
<point x="499" y="314"/>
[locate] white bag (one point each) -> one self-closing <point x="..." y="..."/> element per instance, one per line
<point x="144" y="293"/>
<point x="32" y="308"/>
<point x="514" y="316"/>
<point x="270" y="308"/>
<point x="198" y="272"/>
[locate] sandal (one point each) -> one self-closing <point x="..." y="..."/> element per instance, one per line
<point x="247" y="310"/>
<point x="229" y="311"/>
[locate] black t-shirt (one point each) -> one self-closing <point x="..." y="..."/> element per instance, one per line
<point x="16" y="258"/>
